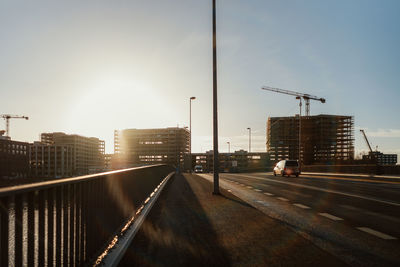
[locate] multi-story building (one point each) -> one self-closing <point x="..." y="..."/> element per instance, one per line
<point x="14" y="158"/>
<point x="382" y="159"/>
<point x="239" y="161"/>
<point x="51" y="161"/>
<point x="135" y="147"/>
<point x="87" y="152"/>
<point x="324" y="138"/>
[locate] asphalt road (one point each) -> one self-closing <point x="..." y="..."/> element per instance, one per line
<point x="355" y="218"/>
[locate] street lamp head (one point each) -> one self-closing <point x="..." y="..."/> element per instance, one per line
<point x="248" y="128"/>
<point x="193" y="98"/>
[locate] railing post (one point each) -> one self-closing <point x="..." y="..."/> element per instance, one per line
<point x="31" y="228"/>
<point x="41" y="226"/>
<point x="59" y="192"/>
<point x="66" y="236"/>
<point x="18" y="200"/>
<point x="4" y="217"/>
<point x="72" y="217"/>
<point x="50" y="226"/>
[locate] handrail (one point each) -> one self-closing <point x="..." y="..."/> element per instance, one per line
<point x="16" y="189"/>
<point x="69" y="221"/>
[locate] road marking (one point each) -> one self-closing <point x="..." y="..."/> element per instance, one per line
<point x="282" y="198"/>
<point x="330" y="216"/>
<point x="249" y="186"/>
<point x="268" y="194"/>
<point x="349" y="179"/>
<point x="242" y="184"/>
<point x="257" y="190"/>
<point x="230" y="191"/>
<point x="301" y="206"/>
<point x="376" y="233"/>
<point x="320" y="189"/>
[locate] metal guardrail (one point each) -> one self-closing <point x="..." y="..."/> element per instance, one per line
<point x="70" y="221"/>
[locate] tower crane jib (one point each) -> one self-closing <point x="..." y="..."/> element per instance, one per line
<point x="306" y="97"/>
<point x="7" y="117"/>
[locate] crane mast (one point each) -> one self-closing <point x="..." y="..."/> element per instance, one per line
<point x="306" y="97"/>
<point x="7" y="117"/>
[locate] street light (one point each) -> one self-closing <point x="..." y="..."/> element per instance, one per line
<point x="215" y="106"/>
<point x="249" y="138"/>
<point x="300" y="104"/>
<point x="190" y="130"/>
<point x="229" y="147"/>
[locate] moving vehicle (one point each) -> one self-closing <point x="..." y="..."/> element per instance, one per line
<point x="198" y="169"/>
<point x="287" y="167"/>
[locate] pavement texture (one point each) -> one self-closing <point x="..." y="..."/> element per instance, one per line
<point x="189" y="226"/>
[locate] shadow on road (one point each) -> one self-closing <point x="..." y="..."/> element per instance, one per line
<point x="177" y="232"/>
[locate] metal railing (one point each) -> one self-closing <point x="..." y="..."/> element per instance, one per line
<point x="69" y="222"/>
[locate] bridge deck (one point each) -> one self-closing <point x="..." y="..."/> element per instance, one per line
<point x="188" y="226"/>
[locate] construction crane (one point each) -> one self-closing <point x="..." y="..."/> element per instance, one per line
<point x="306" y="97"/>
<point x="7" y="117"/>
<point x="366" y="140"/>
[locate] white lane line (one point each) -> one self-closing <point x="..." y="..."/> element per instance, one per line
<point x="376" y="233"/>
<point x="249" y="186"/>
<point x="330" y="216"/>
<point x="257" y="190"/>
<point x="230" y="191"/>
<point x="282" y="198"/>
<point x="268" y="194"/>
<point x="320" y="189"/>
<point x="301" y="206"/>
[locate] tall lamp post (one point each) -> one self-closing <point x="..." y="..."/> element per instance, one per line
<point x="229" y="147"/>
<point x="249" y="138"/>
<point x="300" y="104"/>
<point x="190" y="130"/>
<point x="215" y="107"/>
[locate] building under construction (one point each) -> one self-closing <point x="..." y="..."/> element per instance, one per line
<point x="151" y="146"/>
<point x="324" y="138"/>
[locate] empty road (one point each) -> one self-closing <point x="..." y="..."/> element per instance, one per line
<point x="355" y="218"/>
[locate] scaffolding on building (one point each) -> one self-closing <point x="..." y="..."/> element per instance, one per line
<point x="324" y="138"/>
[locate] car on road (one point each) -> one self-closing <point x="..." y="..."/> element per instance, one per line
<point x="198" y="169"/>
<point x="287" y="167"/>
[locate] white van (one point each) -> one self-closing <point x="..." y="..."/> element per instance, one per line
<point x="287" y="167"/>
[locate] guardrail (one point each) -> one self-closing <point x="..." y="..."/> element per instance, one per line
<point x="70" y="221"/>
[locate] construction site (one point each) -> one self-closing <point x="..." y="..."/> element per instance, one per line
<point x="323" y="138"/>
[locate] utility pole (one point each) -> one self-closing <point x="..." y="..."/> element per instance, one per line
<point x="300" y="104"/>
<point x="215" y="107"/>
<point x="249" y="138"/>
<point x="229" y="147"/>
<point x="190" y="130"/>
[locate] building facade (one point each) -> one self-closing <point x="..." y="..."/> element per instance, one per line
<point x="324" y="138"/>
<point x="51" y="161"/>
<point x="14" y="158"/>
<point x="239" y="161"/>
<point x="87" y="152"/>
<point x="135" y="147"/>
<point x="382" y="159"/>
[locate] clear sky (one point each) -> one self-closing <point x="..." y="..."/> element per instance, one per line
<point x="90" y="67"/>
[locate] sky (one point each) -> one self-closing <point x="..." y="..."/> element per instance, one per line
<point x="92" y="67"/>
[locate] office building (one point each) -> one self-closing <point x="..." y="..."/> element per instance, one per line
<point x="14" y="158"/>
<point x="87" y="152"/>
<point x="134" y="147"/>
<point x="51" y="161"/>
